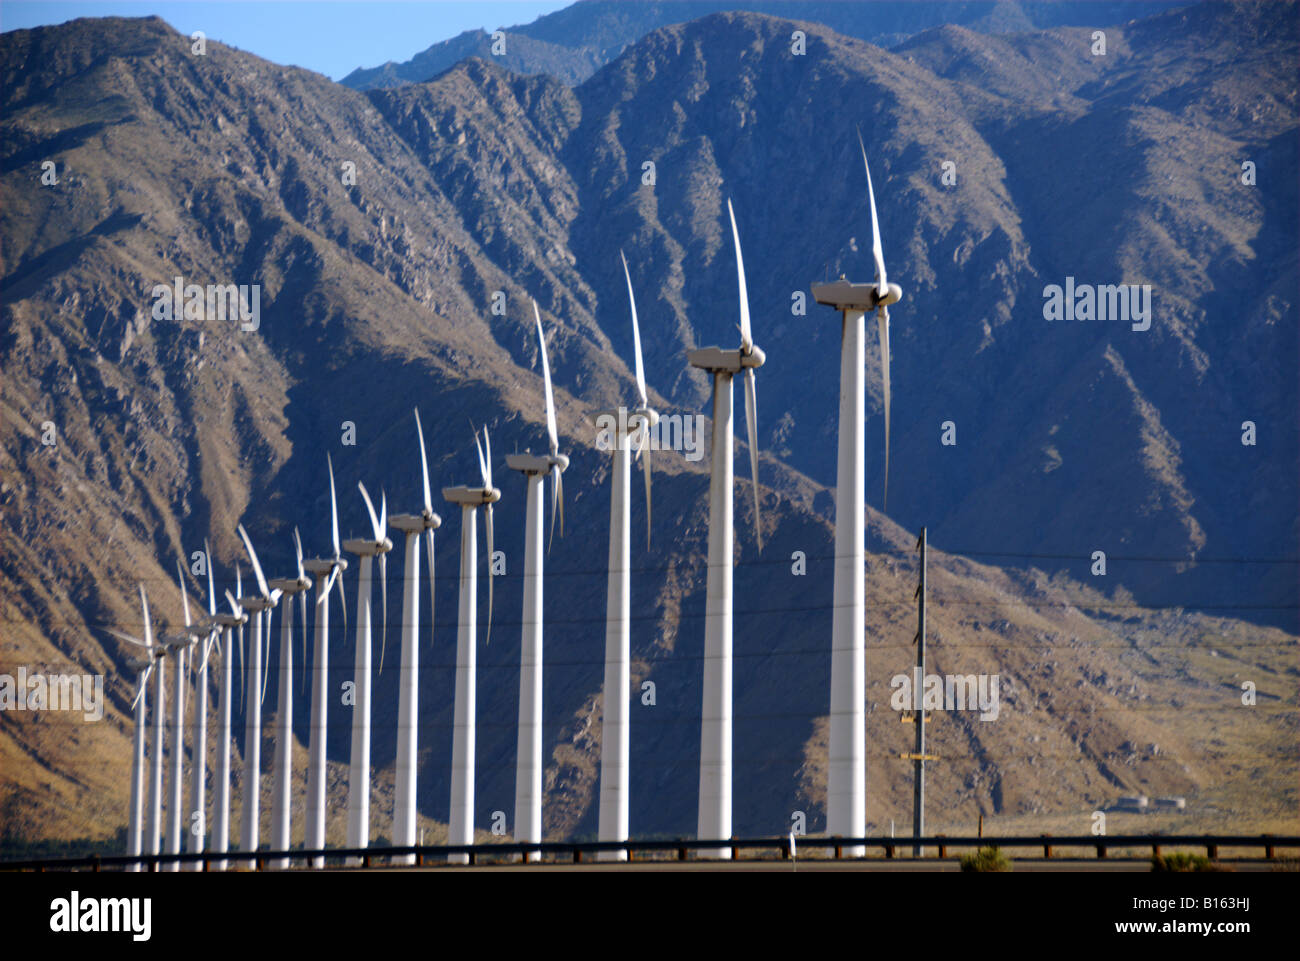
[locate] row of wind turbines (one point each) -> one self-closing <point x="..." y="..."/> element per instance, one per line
<point x="222" y="631"/>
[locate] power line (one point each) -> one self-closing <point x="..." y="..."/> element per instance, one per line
<point x="763" y="562"/>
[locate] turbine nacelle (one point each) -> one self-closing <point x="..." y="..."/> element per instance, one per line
<point x="324" y="566"/>
<point x="254" y="603"/>
<point x="642" y="415"/>
<point x="541" y="464"/>
<point x="289" y="585"/>
<point x="471" y="496"/>
<point x="845" y="295"/>
<point x="731" y="361"/>
<point x="175" y="642"/>
<point x="629" y="421"/>
<point x="416" y="523"/>
<point x="230" y="620"/>
<point x="368" y="548"/>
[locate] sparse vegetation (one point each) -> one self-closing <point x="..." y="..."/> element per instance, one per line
<point x="986" y="859"/>
<point x="1184" y="861"/>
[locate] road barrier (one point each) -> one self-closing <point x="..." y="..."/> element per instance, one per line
<point x="777" y="848"/>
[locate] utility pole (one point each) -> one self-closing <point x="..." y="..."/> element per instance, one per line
<point x="918" y="795"/>
<point x="918" y="757"/>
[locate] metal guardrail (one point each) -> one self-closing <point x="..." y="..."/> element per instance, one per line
<point x="577" y="850"/>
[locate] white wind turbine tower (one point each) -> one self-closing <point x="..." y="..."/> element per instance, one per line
<point x="528" y="758"/>
<point x="282" y="764"/>
<point x="326" y="570"/>
<point x="153" y="827"/>
<point x="260" y="605"/>
<point x="178" y="645"/>
<point x="358" y="835"/>
<point x="714" y="821"/>
<point x="199" y="739"/>
<point x="460" y="822"/>
<point x="234" y="621"/>
<point x="408" y="697"/>
<point x="846" y="788"/>
<point x="615" y="736"/>
<point x="143" y="665"/>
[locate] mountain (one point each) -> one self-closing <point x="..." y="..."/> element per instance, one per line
<point x="573" y="43"/>
<point x="376" y="296"/>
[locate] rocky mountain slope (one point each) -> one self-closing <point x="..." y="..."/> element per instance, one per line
<point x="376" y="296"/>
<point x="573" y="43"/>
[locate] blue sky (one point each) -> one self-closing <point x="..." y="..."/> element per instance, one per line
<point x="332" y="37"/>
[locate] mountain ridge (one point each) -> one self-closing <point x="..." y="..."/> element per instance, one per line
<point x="376" y="297"/>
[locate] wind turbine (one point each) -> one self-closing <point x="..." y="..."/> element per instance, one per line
<point x="460" y="823"/>
<point x="153" y="827"/>
<point x="358" y="835"/>
<point x="326" y="570"/>
<point x="142" y="664"/>
<point x="199" y="739"/>
<point x="615" y="739"/>
<point x="260" y="605"/>
<point x="282" y="764"/>
<point x="178" y="645"/>
<point x="234" y="621"/>
<point x="408" y="696"/>
<point x="528" y="757"/>
<point x="714" y="817"/>
<point x="846" y="809"/>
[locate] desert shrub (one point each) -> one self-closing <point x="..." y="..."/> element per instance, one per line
<point x="985" y="859"/>
<point x="1183" y="861"/>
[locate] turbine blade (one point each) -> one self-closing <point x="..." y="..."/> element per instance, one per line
<point x="239" y="582"/>
<point x="257" y="567"/>
<point x="343" y="599"/>
<point x="383" y="603"/>
<point x="487" y="458"/>
<point x="487" y="521"/>
<point x="297" y="547"/>
<point x="243" y="679"/>
<point x="746" y="335"/>
<point x="383" y="515"/>
<point x="882" y="282"/>
<point x="882" y="323"/>
<point x="424" y="465"/>
<point x="374" y="521"/>
<point x="127" y="639"/>
<point x="559" y="484"/>
<point x="144" y="686"/>
<point x="185" y="597"/>
<point x="234" y="604"/>
<point x="266" y="652"/>
<point x="148" y="628"/>
<point x="428" y="543"/>
<point x="302" y="613"/>
<point x="207" y="649"/>
<point x="212" y="594"/>
<point x="482" y="464"/>
<point x="555" y="503"/>
<point x="334" y="507"/>
<point x="551" y="430"/>
<point x="329" y="585"/>
<point x="751" y="422"/>
<point x="636" y="335"/>
<point x="645" y="445"/>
